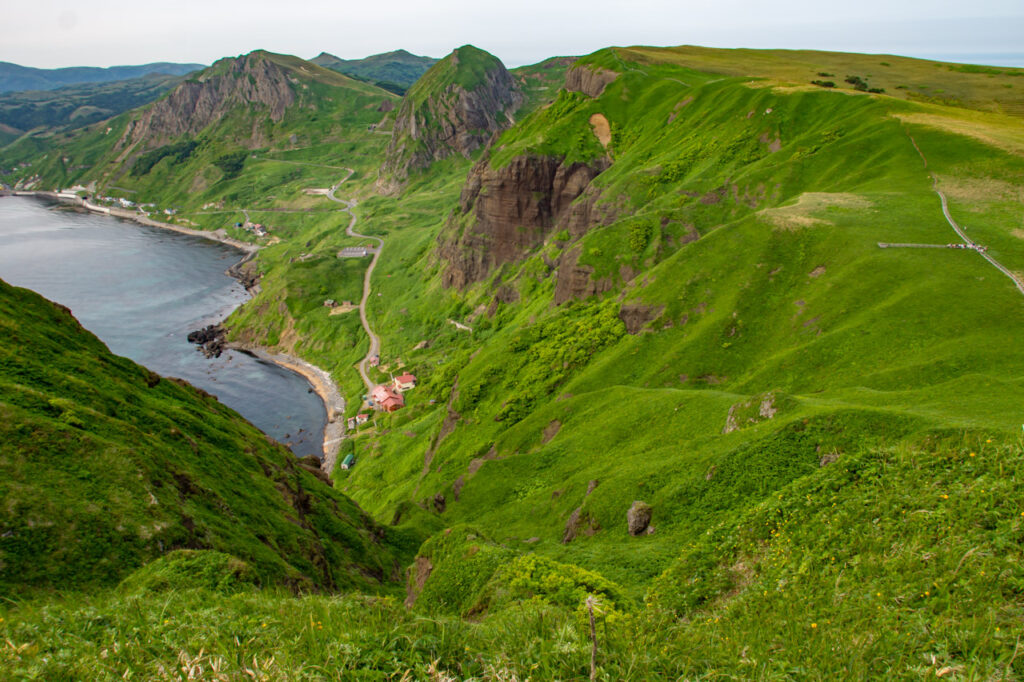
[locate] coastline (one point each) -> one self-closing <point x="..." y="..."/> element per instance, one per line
<point x="323" y="386"/>
<point x="140" y="218"/>
<point x="318" y="379"/>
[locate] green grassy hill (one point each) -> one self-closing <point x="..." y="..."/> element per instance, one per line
<point x="672" y="273"/>
<point x="453" y="109"/>
<point x="395" y="71"/>
<point x="75" y="106"/>
<point x="240" y="132"/>
<point x="106" y="466"/>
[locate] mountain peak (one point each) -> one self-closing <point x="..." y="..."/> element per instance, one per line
<point x="453" y="109"/>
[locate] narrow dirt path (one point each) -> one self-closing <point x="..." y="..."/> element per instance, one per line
<point x="374" y="339"/>
<point x="958" y="229"/>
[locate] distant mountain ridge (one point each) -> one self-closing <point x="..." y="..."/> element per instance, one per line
<point x="75" y="106"/>
<point x="397" y="68"/>
<point x="14" y="77"/>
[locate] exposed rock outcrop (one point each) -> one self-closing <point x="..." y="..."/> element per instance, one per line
<point x="638" y="518"/>
<point x="211" y="340"/>
<point x="636" y="315"/>
<point x="590" y="80"/>
<point x="580" y="521"/>
<point x="418" y="574"/>
<point x="454" y="108"/>
<point x="575" y="281"/>
<point x="750" y="412"/>
<point x="512" y="210"/>
<point x="251" y="81"/>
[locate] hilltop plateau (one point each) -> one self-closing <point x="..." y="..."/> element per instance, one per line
<point x="722" y="341"/>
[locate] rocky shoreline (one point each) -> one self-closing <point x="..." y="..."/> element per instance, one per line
<point x="212" y="339"/>
<point x="323" y="386"/>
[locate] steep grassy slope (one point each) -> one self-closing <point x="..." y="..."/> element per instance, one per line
<point x="105" y="466"/>
<point x="900" y="564"/>
<point x="739" y="315"/>
<point x="453" y="109"/>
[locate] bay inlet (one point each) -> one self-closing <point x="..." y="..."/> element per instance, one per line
<point x="142" y="290"/>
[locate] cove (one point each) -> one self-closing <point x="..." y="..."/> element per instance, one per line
<point x="142" y="290"/>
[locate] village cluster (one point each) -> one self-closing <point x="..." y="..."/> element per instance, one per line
<point x="99" y="199"/>
<point x="256" y="228"/>
<point x="385" y="397"/>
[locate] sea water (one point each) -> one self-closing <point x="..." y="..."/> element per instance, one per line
<point x="142" y="290"/>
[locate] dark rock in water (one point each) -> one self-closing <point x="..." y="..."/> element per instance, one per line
<point x="211" y="340"/>
<point x="639" y="518"/>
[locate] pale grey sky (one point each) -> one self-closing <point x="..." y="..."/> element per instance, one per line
<point x="53" y="33"/>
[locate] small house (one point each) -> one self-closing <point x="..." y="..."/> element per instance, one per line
<point x="348" y="462"/>
<point x="374" y="360"/>
<point x="330" y="303"/>
<point x="351" y="423"/>
<point x="388" y="398"/>
<point x="405" y="382"/>
<point x="362" y="418"/>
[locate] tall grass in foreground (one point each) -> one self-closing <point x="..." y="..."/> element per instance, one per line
<point x="898" y="564"/>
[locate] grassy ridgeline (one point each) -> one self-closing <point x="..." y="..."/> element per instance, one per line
<point x="106" y="465"/>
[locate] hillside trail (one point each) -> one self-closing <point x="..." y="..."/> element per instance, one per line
<point x="958" y="229"/>
<point x="374" y="339"/>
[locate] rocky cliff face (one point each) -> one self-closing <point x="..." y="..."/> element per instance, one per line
<point x="454" y="108"/>
<point x="589" y="80"/>
<point x="512" y="210"/>
<point x="251" y="81"/>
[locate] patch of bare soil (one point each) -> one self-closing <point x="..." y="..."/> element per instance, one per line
<point x="979" y="189"/>
<point x="602" y="129"/>
<point x="802" y="214"/>
<point x="551" y="430"/>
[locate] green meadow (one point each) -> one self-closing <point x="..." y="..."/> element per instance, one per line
<point x="828" y="433"/>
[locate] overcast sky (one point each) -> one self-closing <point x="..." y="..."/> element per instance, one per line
<point x="50" y="33"/>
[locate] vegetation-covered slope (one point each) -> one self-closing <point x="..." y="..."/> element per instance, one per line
<point x="395" y="71"/>
<point x="685" y="379"/>
<point x="899" y="564"/>
<point x="193" y="146"/>
<point x="74" y="106"/>
<point x="14" y="77"/>
<point x="454" y="108"/>
<point x="721" y="304"/>
<point x="106" y="466"/>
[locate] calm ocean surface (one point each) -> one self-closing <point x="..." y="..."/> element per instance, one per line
<point x="142" y="290"/>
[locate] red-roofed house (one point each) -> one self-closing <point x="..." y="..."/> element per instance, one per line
<point x="387" y="398"/>
<point x="405" y="382"/>
<point x="361" y="418"/>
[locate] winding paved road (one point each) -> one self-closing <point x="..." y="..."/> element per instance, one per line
<point x="958" y="229"/>
<point x="374" y="339"/>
